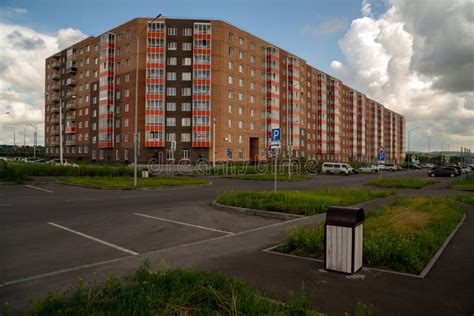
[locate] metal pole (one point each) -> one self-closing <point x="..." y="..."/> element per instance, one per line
<point x="276" y="158"/>
<point x="14" y="136"/>
<point x="24" y="137"/>
<point x="61" y="131"/>
<point x="214" y="142"/>
<point x="35" y="141"/>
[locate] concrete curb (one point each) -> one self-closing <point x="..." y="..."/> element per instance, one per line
<point x="131" y="189"/>
<point x="249" y="211"/>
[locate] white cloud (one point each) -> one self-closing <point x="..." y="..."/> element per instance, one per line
<point x="409" y="67"/>
<point x="22" y="72"/>
<point x="326" y="27"/>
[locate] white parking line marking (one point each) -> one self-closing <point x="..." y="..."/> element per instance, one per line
<point x="185" y="224"/>
<point x="94" y="239"/>
<point x="33" y="187"/>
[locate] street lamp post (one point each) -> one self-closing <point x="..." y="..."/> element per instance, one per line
<point x="135" y="132"/>
<point x="409" y="156"/>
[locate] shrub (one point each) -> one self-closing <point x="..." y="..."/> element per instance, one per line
<point x="8" y="173"/>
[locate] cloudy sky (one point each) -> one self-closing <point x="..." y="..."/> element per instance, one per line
<point x="416" y="57"/>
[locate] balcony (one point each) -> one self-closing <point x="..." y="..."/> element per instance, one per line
<point x="54" y="143"/>
<point x="55" y="120"/>
<point x="71" y="82"/>
<point x="70" y="106"/>
<point x="55" y="98"/>
<point x="55" y="65"/>
<point x="54" y="108"/>
<point x="71" y="70"/>
<point x="71" y="129"/>
<point x="71" y="116"/>
<point x="54" y="131"/>
<point x="55" y="87"/>
<point x="70" y="142"/>
<point x="55" y="76"/>
<point x="70" y="93"/>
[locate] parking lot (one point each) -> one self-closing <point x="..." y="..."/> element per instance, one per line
<point x="49" y="229"/>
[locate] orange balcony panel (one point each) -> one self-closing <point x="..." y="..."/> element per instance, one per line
<point x="202" y="36"/>
<point x="155" y="49"/>
<point x="155" y="65"/>
<point x="200" y="97"/>
<point x="155" y="96"/>
<point x="154" y="112"/>
<point x="202" y="113"/>
<point x="155" y="80"/>
<point x="202" y="51"/>
<point x="106" y="144"/>
<point x="201" y="66"/>
<point x="155" y="143"/>
<point x="106" y="130"/>
<point x="154" y="128"/>
<point x="201" y="144"/>
<point x="155" y="34"/>
<point x="201" y="128"/>
<point x="202" y="81"/>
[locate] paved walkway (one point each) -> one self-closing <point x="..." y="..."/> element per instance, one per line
<point x="447" y="290"/>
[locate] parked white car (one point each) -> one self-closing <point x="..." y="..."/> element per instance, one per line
<point x="65" y="163"/>
<point x="369" y="169"/>
<point x="389" y="167"/>
<point x="337" y="168"/>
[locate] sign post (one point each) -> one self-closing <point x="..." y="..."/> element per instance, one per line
<point x="381" y="159"/>
<point x="275" y="145"/>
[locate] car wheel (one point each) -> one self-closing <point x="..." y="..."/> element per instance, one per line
<point x="452" y="175"/>
<point x="432" y="175"/>
<point x="328" y="172"/>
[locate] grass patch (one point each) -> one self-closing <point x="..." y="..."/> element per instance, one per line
<point x="466" y="184"/>
<point x="402" y="183"/>
<point x="127" y="182"/>
<point x="169" y="292"/>
<point x="304" y="202"/>
<point x="465" y="198"/>
<point x="271" y="177"/>
<point x="42" y="169"/>
<point x="404" y="236"/>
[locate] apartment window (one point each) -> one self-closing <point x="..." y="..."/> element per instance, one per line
<point x="231" y="65"/>
<point x="231" y="80"/>
<point x="252" y="99"/>
<point x="170" y="154"/>
<point x="229" y="108"/>
<point x="125" y="123"/>
<point x="230" y="94"/>
<point x="252" y="85"/>
<point x="252" y="46"/>
<point x="186" y="76"/>
<point x="127" y="77"/>
<point x="117" y="154"/>
<point x="127" y="94"/>
<point x="241" y="41"/>
<point x="241" y="82"/>
<point x="117" y="123"/>
<point x="252" y="126"/>
<point x="96" y="61"/>
<point x="187" y="31"/>
<point x="231" y="51"/>
<point x="117" y="138"/>
<point x="241" y="110"/>
<point x="171" y="75"/>
<point x="186" y="46"/>
<point x="186" y="137"/>
<point x="241" y="68"/>
<point x="94" y="113"/>
<point x="229" y="138"/>
<point x="170" y="121"/>
<point x="171" y="30"/>
<point x="229" y="123"/>
<point x="94" y="139"/>
<point x="241" y="54"/>
<point x="252" y="59"/>
<point x="117" y="95"/>
<point x="185" y="121"/>
<point x="127" y="107"/>
<point x="187" y="61"/>
<point x="170" y="137"/>
<point x="172" y="61"/>
<point x="252" y="72"/>
<point x="170" y="106"/>
<point x="125" y="154"/>
<point x="241" y="154"/>
<point x="127" y="62"/>
<point x="87" y="61"/>
<point x="241" y="139"/>
<point x="241" y="124"/>
<point x="172" y="46"/>
<point x="241" y="96"/>
<point x="125" y="137"/>
<point x="171" y="91"/>
<point x="185" y="92"/>
<point x="117" y="80"/>
<point x="185" y="154"/>
<point x="231" y="37"/>
<point x="186" y="106"/>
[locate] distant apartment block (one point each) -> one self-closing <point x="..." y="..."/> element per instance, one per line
<point x="205" y="84"/>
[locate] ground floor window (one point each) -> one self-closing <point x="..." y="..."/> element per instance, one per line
<point x="185" y="154"/>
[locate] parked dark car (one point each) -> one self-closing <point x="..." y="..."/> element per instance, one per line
<point x="443" y="172"/>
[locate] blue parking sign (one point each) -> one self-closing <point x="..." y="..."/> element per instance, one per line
<point x="276" y="135"/>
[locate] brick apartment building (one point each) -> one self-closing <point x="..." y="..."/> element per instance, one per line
<point x="200" y="76"/>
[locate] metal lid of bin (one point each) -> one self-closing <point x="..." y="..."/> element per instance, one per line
<point x="344" y="216"/>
